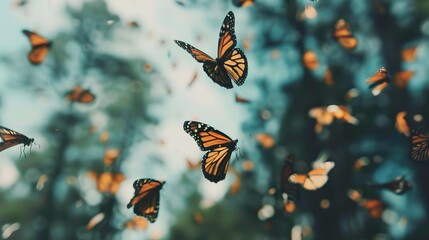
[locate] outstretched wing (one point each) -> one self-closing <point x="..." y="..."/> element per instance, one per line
<point x="215" y="163"/>
<point x="419" y="145"/>
<point x="146" y="198"/>
<point x="12" y="138"/>
<point x="233" y="59"/>
<point x="206" y="136"/>
<point x="40" y="47"/>
<point x="197" y="54"/>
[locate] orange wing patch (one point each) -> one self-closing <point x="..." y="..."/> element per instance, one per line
<point x="344" y="36"/>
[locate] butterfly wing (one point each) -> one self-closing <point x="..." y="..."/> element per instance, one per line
<point x="146" y="198"/>
<point x="378" y="81"/>
<point x="40" y="47"/>
<point x="12" y="138"/>
<point x="197" y="54"/>
<point x="207" y="137"/>
<point x="215" y="163"/>
<point x="419" y="145"/>
<point x="316" y="178"/>
<point x="233" y="59"/>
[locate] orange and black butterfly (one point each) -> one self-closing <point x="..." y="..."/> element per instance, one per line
<point x="344" y="36"/>
<point x="146" y="198"/>
<point x="40" y="47"/>
<point x="11" y="138"/>
<point x="285" y="185"/>
<point x="219" y="146"/>
<point x="398" y="185"/>
<point x="231" y="63"/>
<point x="419" y="145"/>
<point x="242" y="3"/>
<point x="378" y="81"/>
<point x="80" y="95"/>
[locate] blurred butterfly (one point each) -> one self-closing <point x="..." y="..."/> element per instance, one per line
<point x="107" y="182"/>
<point x="40" y="47"/>
<point x="11" y="138"/>
<point x="374" y="207"/>
<point x="401" y="124"/>
<point x="219" y="146"/>
<point x="325" y="116"/>
<point x="314" y="179"/>
<point x="94" y="221"/>
<point x="146" y="198"/>
<point x="398" y="186"/>
<point x="419" y="145"/>
<point x="378" y="81"/>
<point x="231" y="63"/>
<point x="80" y="95"/>
<point x="344" y="36"/>
<point x="266" y="140"/>
<point x="402" y="78"/>
<point x="241" y="99"/>
<point x="242" y="3"/>
<point x="286" y="186"/>
<point x="409" y="54"/>
<point x="136" y="223"/>
<point x="310" y="60"/>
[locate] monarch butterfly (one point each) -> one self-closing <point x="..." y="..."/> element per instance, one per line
<point x="78" y="94"/>
<point x="409" y="54"/>
<point x="219" y="146"/>
<point x="344" y="36"/>
<point x="242" y="3"/>
<point x="107" y="182"/>
<point x="374" y="207"/>
<point x="40" y="47"/>
<point x="241" y="99"/>
<point x="136" y="223"/>
<point x="286" y="186"/>
<point x="402" y="78"/>
<point x="146" y="198"/>
<point x="401" y="124"/>
<point x="378" y="81"/>
<point x="419" y="145"/>
<point x="11" y="138"/>
<point x="310" y="60"/>
<point x="398" y="186"/>
<point x="314" y="179"/>
<point x="230" y="62"/>
<point x="325" y="116"/>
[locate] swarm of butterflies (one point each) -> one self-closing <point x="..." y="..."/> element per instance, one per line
<point x="229" y="66"/>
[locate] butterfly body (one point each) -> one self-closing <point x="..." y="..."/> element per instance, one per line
<point x="398" y="186"/>
<point x="219" y="146"/>
<point x="11" y="138"/>
<point x="378" y="81"/>
<point x="286" y="186"/>
<point x="40" y="47"/>
<point x="146" y="198"/>
<point x="230" y="63"/>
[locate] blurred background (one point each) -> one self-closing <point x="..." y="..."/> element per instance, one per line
<point x="76" y="181"/>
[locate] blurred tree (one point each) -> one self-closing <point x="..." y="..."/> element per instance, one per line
<point x="61" y="207"/>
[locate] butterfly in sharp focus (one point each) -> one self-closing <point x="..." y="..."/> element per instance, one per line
<point x="378" y="81"/>
<point x="419" y="145"/>
<point x="398" y="185"/>
<point x="81" y="95"/>
<point x="286" y="186"/>
<point x="40" y="47"/>
<point x="219" y="146"/>
<point x="11" y="138"/>
<point x="146" y="198"/>
<point x="231" y="63"/>
<point x="344" y="36"/>
<point x="314" y="179"/>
